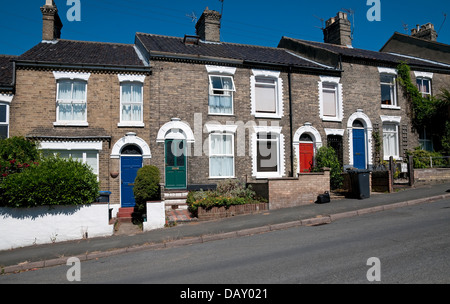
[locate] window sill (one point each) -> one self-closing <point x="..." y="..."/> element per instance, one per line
<point x="221" y="177"/>
<point x="262" y="115"/>
<point x="390" y="107"/>
<point x="70" y="124"/>
<point x="332" y="119"/>
<point x="266" y="176"/>
<point x="131" y="125"/>
<point x="220" y="114"/>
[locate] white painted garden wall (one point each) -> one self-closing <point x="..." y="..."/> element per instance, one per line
<point x="156" y="216"/>
<point x="42" y="225"/>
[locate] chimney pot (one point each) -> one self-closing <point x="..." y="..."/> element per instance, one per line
<point x="425" y="31"/>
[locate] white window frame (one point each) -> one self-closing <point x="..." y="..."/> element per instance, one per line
<point x="131" y="123"/>
<point x="221" y="155"/>
<point x="133" y="79"/>
<point x="280" y="145"/>
<point x="425" y="94"/>
<point x="392" y="121"/>
<point x="73" y="77"/>
<point x="278" y="93"/>
<point x="394" y="91"/>
<point x="5" y="100"/>
<point x="230" y="91"/>
<point x="335" y="81"/>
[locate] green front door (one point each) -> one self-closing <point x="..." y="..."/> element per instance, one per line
<point x="175" y="164"/>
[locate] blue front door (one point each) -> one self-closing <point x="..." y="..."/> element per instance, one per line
<point x="129" y="168"/>
<point x="359" y="149"/>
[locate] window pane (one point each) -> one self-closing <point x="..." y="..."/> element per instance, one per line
<point x="79" y="112"/>
<point x="216" y="82"/>
<point x="265" y="99"/>
<point x="221" y="104"/>
<point x="3" y="131"/>
<point x="386" y="78"/>
<point x="79" y="91"/>
<point x="2" y="113"/>
<point x="386" y="95"/>
<point x="137" y="93"/>
<point x="126" y="92"/>
<point x="329" y="103"/>
<point x="390" y="140"/>
<point x="91" y="160"/>
<point x="65" y="90"/>
<point x="267" y="156"/>
<point x="221" y="166"/>
<point x="65" y="111"/>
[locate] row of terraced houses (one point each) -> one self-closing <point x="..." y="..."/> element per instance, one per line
<point x="203" y="110"/>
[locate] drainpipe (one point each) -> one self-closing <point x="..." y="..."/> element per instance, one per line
<point x="290" y="121"/>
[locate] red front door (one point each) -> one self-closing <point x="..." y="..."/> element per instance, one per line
<point x="306" y="157"/>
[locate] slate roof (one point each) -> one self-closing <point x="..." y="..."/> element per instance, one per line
<point x="83" y="53"/>
<point x="250" y="54"/>
<point x="6" y="70"/>
<point x="367" y="55"/>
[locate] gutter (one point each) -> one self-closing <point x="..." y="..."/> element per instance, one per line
<point x="135" y="69"/>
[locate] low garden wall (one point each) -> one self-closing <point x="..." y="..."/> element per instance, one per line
<point x="432" y="175"/>
<point x="156" y="216"/>
<point x="222" y="212"/>
<point x="292" y="192"/>
<point x="21" y="227"/>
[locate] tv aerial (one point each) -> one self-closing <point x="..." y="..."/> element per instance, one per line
<point x="193" y="17"/>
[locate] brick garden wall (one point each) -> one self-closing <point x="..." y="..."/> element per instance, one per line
<point x="292" y="192"/>
<point x="432" y="175"/>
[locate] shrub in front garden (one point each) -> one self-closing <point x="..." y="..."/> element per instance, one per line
<point x="228" y="193"/>
<point x="146" y="186"/>
<point x="54" y="181"/>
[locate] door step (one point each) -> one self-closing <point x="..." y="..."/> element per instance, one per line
<point x="175" y="199"/>
<point x="125" y="214"/>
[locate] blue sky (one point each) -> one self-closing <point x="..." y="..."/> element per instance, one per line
<point x="249" y="22"/>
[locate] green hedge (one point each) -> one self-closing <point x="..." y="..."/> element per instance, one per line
<point x="326" y="157"/>
<point x="54" y="181"/>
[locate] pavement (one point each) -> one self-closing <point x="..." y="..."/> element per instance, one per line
<point x="41" y="256"/>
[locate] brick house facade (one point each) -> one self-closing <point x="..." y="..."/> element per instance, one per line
<point x="202" y="110"/>
<point x="367" y="76"/>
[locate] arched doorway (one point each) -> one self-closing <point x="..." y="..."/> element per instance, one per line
<point x="176" y="135"/>
<point x="359" y="145"/>
<point x="359" y="128"/>
<point x="307" y="140"/>
<point x="306" y="147"/>
<point x="131" y="161"/>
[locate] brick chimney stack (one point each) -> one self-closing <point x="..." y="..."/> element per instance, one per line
<point x="425" y="31"/>
<point x="208" y="26"/>
<point x="338" y="30"/>
<point x="52" y="25"/>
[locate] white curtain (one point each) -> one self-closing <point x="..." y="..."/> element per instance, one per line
<point x="131" y="102"/>
<point x="390" y="140"/>
<point x="72" y="100"/>
<point x="221" y="156"/>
